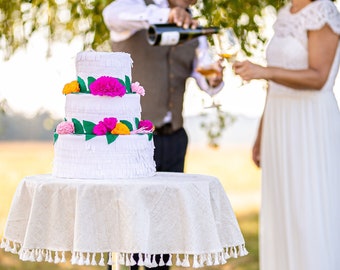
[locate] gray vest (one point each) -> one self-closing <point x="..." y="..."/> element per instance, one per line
<point x="162" y="71"/>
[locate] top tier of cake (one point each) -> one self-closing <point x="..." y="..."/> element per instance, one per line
<point x="97" y="64"/>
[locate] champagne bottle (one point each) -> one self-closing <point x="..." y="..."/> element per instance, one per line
<point x="171" y="34"/>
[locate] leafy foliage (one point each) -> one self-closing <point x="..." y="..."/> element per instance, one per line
<point x="245" y="17"/>
<point x="63" y="20"/>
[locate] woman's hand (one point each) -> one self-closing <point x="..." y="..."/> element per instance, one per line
<point x="249" y="71"/>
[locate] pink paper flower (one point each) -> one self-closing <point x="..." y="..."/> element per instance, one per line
<point x="110" y="123"/>
<point x="100" y="128"/>
<point x="65" y="128"/>
<point x="146" y="125"/>
<point x="107" y="86"/>
<point x="137" y="88"/>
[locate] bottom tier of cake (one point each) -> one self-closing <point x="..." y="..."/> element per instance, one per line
<point x="127" y="157"/>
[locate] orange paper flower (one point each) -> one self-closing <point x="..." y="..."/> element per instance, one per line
<point x="120" y="129"/>
<point x="72" y="87"/>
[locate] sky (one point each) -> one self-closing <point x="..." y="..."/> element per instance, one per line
<point x="30" y="81"/>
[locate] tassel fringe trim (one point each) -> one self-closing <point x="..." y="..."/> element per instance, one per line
<point x="128" y="259"/>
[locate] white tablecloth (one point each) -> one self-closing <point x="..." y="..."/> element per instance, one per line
<point x="171" y="213"/>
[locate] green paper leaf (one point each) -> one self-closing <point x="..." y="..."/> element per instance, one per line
<point x="150" y="135"/>
<point x="55" y="137"/>
<point x="88" y="126"/>
<point x="82" y="85"/>
<point x="89" y="136"/>
<point x="127" y="123"/>
<point x="89" y="81"/>
<point x="137" y="122"/>
<point x="128" y="84"/>
<point x="78" y="127"/>
<point x="110" y="138"/>
<point x="122" y="82"/>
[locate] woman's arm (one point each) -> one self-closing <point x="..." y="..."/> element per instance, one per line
<point x="321" y="50"/>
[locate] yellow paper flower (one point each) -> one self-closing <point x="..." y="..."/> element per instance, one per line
<point x="121" y="129"/>
<point x="72" y="87"/>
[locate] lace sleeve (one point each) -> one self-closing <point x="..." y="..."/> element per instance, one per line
<point x="321" y="13"/>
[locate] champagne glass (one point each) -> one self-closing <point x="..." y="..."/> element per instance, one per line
<point x="228" y="47"/>
<point x="227" y="44"/>
<point x="208" y="66"/>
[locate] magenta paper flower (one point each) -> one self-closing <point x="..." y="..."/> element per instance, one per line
<point x="100" y="128"/>
<point x="107" y="86"/>
<point x="65" y="128"/>
<point x="110" y="123"/>
<point x="146" y="125"/>
<point x="137" y="88"/>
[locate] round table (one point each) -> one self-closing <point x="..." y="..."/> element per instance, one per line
<point x="95" y="221"/>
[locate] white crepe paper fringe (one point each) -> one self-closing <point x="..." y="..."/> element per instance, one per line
<point x="128" y="259"/>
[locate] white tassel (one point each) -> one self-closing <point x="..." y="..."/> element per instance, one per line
<point x="109" y="261"/>
<point x="93" y="261"/>
<point x="186" y="262"/>
<point x="32" y="257"/>
<point x="50" y="260"/>
<point x="46" y="256"/>
<point x="169" y="262"/>
<point x="63" y="259"/>
<point x="56" y="257"/>
<point x="101" y="262"/>
<point x="242" y="251"/>
<point x="153" y="261"/>
<point x="209" y="260"/>
<point x="216" y="259"/>
<point x="223" y="260"/>
<point x="2" y="244"/>
<point x="226" y="255"/>
<point x="127" y="260"/>
<point x="40" y="257"/>
<point x="178" y="260"/>
<point x="202" y="259"/>
<point x="121" y="259"/>
<point x="7" y="246"/>
<point x="74" y="258"/>
<point x="81" y="258"/>
<point x="234" y="252"/>
<point x="14" y="249"/>
<point x="147" y="261"/>
<point x="23" y="255"/>
<point x="195" y="263"/>
<point x="87" y="261"/>
<point x="161" y="261"/>
<point x="132" y="260"/>
<point x="140" y="259"/>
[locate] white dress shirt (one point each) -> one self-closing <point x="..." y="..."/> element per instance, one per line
<point x="125" y="17"/>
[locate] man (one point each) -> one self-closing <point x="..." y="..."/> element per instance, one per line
<point x="161" y="70"/>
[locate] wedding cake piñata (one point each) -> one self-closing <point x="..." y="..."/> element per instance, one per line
<point x="103" y="135"/>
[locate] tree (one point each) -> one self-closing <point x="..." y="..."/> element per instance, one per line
<point x="63" y="20"/>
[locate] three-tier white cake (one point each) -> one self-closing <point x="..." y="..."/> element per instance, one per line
<point x="103" y="135"/>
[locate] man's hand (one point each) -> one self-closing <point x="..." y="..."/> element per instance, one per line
<point x="182" y="18"/>
<point x="217" y="78"/>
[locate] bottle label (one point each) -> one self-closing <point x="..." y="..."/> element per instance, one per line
<point x="169" y="38"/>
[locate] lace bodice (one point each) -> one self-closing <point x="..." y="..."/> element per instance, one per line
<point x="289" y="45"/>
<point x="312" y="17"/>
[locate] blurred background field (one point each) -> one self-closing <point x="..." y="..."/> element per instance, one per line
<point x="231" y="164"/>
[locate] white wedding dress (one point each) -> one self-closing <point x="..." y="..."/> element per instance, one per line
<point x="300" y="210"/>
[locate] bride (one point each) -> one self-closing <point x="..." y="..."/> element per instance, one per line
<point x="298" y="141"/>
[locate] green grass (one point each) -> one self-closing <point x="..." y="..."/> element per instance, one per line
<point x="232" y="166"/>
